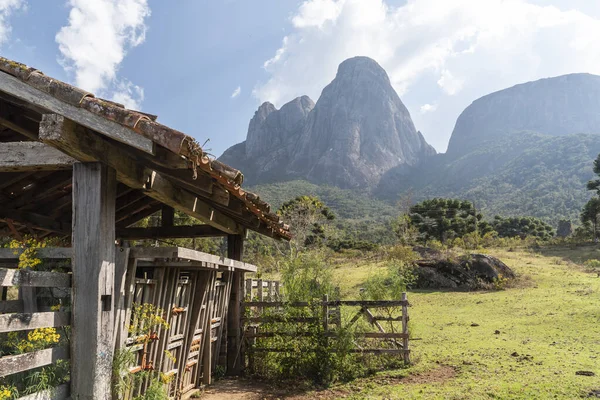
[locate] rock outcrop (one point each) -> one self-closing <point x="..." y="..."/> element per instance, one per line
<point x="358" y="130"/>
<point x="476" y="271"/>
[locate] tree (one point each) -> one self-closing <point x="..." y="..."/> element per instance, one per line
<point x="595" y="184"/>
<point x="565" y="228"/>
<point x="522" y="227"/>
<point x="308" y="217"/>
<point x="591" y="212"/>
<point x="446" y="219"/>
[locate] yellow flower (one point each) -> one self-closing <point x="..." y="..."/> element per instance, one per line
<point x="5" y="393"/>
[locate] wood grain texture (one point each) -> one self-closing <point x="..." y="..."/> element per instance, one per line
<point x="32" y="156"/>
<point x="22" y="277"/>
<point x="94" y="253"/>
<point x="86" y="146"/>
<point x="23" y="91"/>
<point x="23" y="362"/>
<point x="29" y="321"/>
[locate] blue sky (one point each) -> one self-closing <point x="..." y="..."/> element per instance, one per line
<point x="189" y="57"/>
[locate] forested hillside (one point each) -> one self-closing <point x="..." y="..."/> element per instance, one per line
<point x="523" y="173"/>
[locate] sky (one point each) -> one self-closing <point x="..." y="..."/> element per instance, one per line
<point x="205" y="66"/>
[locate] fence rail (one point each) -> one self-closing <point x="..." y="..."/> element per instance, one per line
<point x="38" y="295"/>
<point x="260" y="323"/>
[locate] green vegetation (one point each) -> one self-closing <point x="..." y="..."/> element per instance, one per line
<point x="527" y="341"/>
<point x="446" y="219"/>
<point x="522" y="227"/>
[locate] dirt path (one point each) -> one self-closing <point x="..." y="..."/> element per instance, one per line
<point x="242" y="389"/>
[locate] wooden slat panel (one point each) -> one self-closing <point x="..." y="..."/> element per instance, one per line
<point x="22" y="322"/>
<point x="23" y="362"/>
<point x="16" y="277"/>
<point x="58" y="393"/>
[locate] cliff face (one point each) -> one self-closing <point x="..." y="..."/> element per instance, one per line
<point x="554" y="106"/>
<point x="358" y="130"/>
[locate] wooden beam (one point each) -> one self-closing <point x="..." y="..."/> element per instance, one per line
<point x="94" y="254"/>
<point x="13" y="86"/>
<point x="29" y="321"/>
<point x="23" y="362"/>
<point x="29" y="278"/>
<point x="86" y="146"/>
<point x="36" y="220"/>
<point x="188" y="254"/>
<point x="169" y="232"/>
<point x="167" y="216"/>
<point x="20" y="129"/>
<point x="32" y="156"/>
<point x="55" y="253"/>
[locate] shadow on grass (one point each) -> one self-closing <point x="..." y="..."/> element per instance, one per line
<point x="576" y="253"/>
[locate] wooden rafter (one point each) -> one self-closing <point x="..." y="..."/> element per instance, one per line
<point x="86" y="146"/>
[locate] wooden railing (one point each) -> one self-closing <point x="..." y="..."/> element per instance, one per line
<point x="262" y="290"/>
<point x="26" y="314"/>
<point x="261" y="318"/>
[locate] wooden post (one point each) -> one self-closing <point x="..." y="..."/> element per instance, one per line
<point x="167" y="216"/>
<point x="235" y="248"/>
<point x="270" y="291"/>
<point x="249" y="289"/>
<point x="405" y="348"/>
<point x="325" y="306"/>
<point x="94" y="194"/>
<point x="277" y="294"/>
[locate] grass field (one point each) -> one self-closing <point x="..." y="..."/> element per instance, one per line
<point x="525" y="342"/>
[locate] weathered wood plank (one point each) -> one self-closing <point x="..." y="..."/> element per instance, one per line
<point x="170" y="232"/>
<point x="23" y="91"/>
<point x="94" y="253"/>
<point x="23" y="322"/>
<point x="188" y="254"/>
<point x="43" y="253"/>
<point x="60" y="392"/>
<point x="23" y="362"/>
<point x="32" y="156"/>
<point x="23" y="277"/>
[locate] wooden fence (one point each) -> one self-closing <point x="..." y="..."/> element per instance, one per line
<point x="42" y="301"/>
<point x="261" y="318"/>
<point x="262" y="290"/>
<point x="192" y="291"/>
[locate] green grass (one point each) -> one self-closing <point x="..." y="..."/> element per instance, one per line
<point x="549" y="328"/>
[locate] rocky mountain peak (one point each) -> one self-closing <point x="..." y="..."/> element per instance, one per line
<point x="358" y="130"/>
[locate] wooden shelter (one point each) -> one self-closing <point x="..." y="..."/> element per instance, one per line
<point x="79" y="167"/>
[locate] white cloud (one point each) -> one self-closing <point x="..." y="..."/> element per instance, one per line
<point x="426" y="108"/>
<point x="236" y="92"/>
<point x="6" y="9"/>
<point x="449" y="83"/>
<point x="128" y="94"/>
<point x="96" y="40"/>
<point x="441" y="52"/>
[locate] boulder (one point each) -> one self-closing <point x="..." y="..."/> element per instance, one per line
<point x="474" y="271"/>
